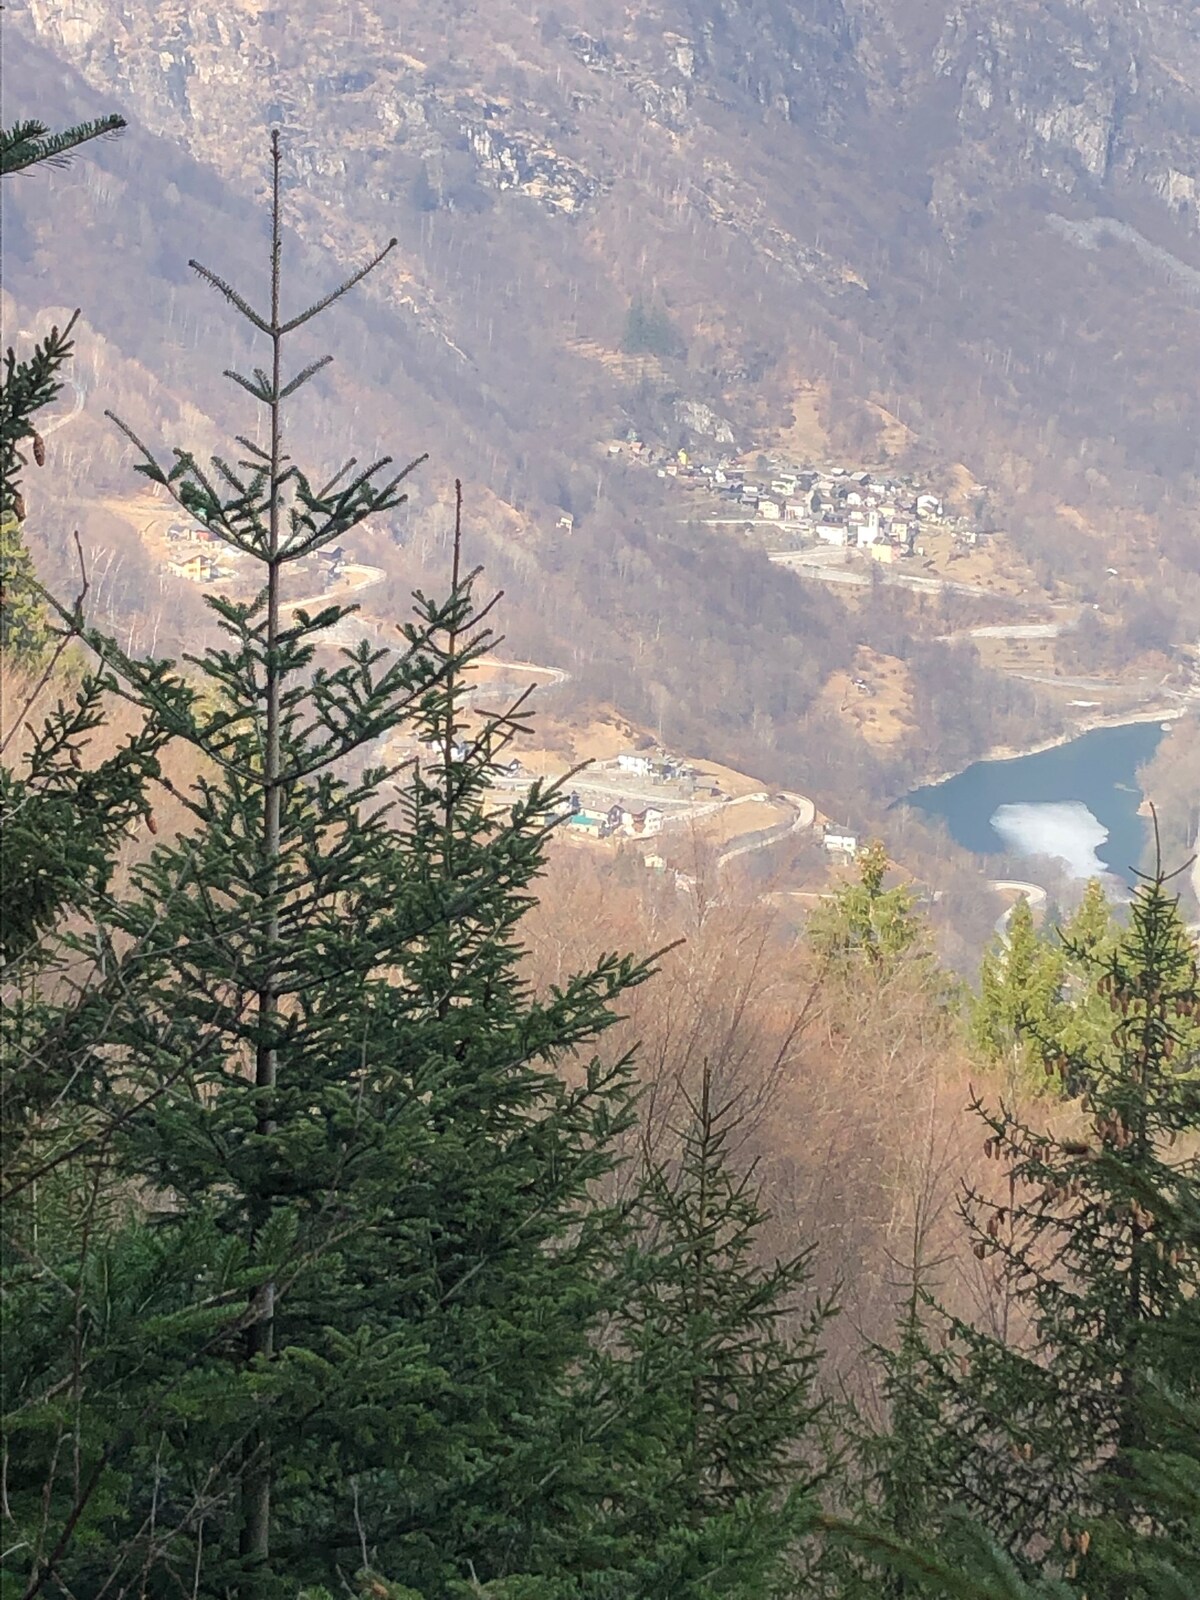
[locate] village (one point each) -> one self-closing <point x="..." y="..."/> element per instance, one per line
<point x="646" y="794"/>
<point x="202" y="556"/>
<point x="791" y="505"/>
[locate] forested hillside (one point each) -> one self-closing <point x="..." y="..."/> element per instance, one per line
<point x="837" y="213"/>
<point x="371" y="1228"/>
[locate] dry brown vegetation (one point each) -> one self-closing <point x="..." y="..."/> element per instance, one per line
<point x="883" y="712"/>
<point x="854" y="1093"/>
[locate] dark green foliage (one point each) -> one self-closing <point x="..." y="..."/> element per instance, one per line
<point x="61" y="821"/>
<point x="649" y="331"/>
<point x="311" y="1285"/>
<point x="321" y="1259"/>
<point x="740" y="1339"/>
<point x="27" y="387"/>
<point x="1042" y="1429"/>
<point x="713" y="1364"/>
<point x="27" y="144"/>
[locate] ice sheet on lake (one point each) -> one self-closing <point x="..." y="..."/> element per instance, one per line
<point x="1064" y="829"/>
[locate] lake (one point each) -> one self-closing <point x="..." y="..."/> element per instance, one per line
<point x="1077" y="802"/>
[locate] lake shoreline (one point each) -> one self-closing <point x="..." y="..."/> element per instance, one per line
<point x="1075" y="799"/>
<point x="1002" y="752"/>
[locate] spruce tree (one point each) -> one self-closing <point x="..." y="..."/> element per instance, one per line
<point x="1017" y="1016"/>
<point x="718" y="1358"/>
<point x="1042" y="1437"/>
<point x="28" y="385"/>
<point x="350" y="1253"/>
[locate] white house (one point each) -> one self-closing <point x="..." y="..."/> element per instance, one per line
<point x="832" y="533"/>
<point x="928" y="505"/>
<point x="838" y="843"/>
<point x="769" y="510"/>
<point x="634" y="761"/>
<point x="647" y="821"/>
<point x="868" y="534"/>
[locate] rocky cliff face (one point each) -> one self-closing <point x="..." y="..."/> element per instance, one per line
<point x="847" y="193"/>
<point x="1090" y="97"/>
<point x="1096" y="97"/>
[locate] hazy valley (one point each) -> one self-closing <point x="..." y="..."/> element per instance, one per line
<point x="960" y="243"/>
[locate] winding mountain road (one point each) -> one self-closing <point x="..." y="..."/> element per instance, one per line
<point x="56" y="423"/>
<point x="1033" y="892"/>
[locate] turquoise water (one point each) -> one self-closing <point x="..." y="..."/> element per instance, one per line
<point x="1077" y="803"/>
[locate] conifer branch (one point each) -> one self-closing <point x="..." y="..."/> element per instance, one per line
<point x="257" y="389"/>
<point x="302" y="377"/>
<point x="231" y="294"/>
<point x="343" y="288"/>
<point x="27" y="144"/>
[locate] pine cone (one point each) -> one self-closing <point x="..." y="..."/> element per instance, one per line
<point x="39" y="450"/>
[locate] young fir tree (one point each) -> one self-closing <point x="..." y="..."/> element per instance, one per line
<point x="1016" y="1018"/>
<point x="1155" y="1556"/>
<point x="1042" y="1437"/>
<point x="347" y="1262"/>
<point x="27" y="386"/>
<point x="866" y="921"/>
<point x="719" y="1352"/>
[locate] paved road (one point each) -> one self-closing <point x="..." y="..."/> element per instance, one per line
<point x="1017" y="630"/>
<point x="1033" y="892"/>
<point x="358" y="578"/>
<point x="1096" y="685"/>
<point x="554" y="676"/>
<point x="68" y="416"/>
<point x="808" y="564"/>
<point x="805" y="815"/>
<point x="595" y="784"/>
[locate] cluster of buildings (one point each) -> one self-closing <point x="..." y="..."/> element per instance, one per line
<point x="639" y="819"/>
<point x="620" y="821"/>
<point x="836" y="507"/>
<point x="196" y="553"/>
<point x="880" y="513"/>
<point x="202" y="556"/>
<point x="659" y="768"/>
<point x="848" y="509"/>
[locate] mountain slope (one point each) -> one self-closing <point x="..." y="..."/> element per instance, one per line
<point x="969" y="231"/>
